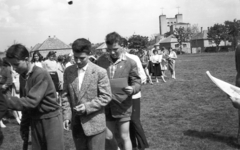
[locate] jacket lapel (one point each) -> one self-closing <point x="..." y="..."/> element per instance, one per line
<point x="86" y="80"/>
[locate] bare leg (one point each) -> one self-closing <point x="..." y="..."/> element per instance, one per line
<point x="149" y="77"/>
<point x="173" y="74"/>
<point x="125" y="135"/>
<point x="15" y="114"/>
<point x="163" y="78"/>
<point x="156" y="79"/>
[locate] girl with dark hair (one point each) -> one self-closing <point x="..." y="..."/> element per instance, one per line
<point x="37" y="59"/>
<point x="156" y="60"/>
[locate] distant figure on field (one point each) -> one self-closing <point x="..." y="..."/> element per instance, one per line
<point x="171" y="62"/>
<point x="145" y="63"/>
<point x="156" y="59"/>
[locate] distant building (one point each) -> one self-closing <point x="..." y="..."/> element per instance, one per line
<point x="102" y="47"/>
<point x="52" y="44"/>
<point x="171" y="41"/>
<point x="165" y="23"/>
<point x="201" y="43"/>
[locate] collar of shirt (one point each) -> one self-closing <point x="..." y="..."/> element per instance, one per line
<point x="83" y="68"/>
<point x="26" y="76"/>
<point x="81" y="74"/>
<point x="122" y="57"/>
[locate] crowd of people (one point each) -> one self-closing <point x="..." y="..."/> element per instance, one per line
<point x="95" y="98"/>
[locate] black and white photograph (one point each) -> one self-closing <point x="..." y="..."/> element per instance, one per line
<point x="119" y="74"/>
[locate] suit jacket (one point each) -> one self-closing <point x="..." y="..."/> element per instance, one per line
<point x="95" y="94"/>
<point x="127" y="68"/>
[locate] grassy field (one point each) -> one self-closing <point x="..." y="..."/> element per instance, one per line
<point x="189" y="113"/>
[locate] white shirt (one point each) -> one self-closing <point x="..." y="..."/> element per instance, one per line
<point x="140" y="70"/>
<point x="81" y="73"/>
<point x="156" y="58"/>
<point x="68" y="64"/>
<point x="39" y="64"/>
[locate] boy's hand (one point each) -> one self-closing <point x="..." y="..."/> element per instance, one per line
<point x="80" y="109"/>
<point x="128" y="90"/>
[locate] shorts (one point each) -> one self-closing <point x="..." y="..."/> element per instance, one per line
<point x="109" y="117"/>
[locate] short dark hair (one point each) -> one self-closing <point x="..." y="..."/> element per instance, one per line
<point x="154" y="51"/>
<point x="17" y="51"/>
<point x="132" y="51"/>
<point x="51" y="53"/>
<point x="112" y="38"/>
<point x="81" y="46"/>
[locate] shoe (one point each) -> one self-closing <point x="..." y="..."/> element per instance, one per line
<point x="151" y="82"/>
<point x="18" y="121"/>
<point x="2" y="125"/>
<point x="164" y="81"/>
<point x="157" y="81"/>
<point x="174" y="77"/>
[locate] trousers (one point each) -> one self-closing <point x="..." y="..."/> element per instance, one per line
<point x="137" y="135"/>
<point x="83" y="142"/>
<point x="47" y="133"/>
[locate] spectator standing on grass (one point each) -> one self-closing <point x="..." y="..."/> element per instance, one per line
<point x="137" y="135"/>
<point x="171" y="62"/>
<point x="52" y="67"/>
<point x="145" y="63"/>
<point x="86" y="93"/>
<point x="37" y="59"/>
<point x="121" y="70"/>
<point x="39" y="102"/>
<point x="164" y="63"/>
<point x="70" y="60"/>
<point x="156" y="59"/>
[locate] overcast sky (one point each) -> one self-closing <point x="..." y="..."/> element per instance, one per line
<point x="31" y="21"/>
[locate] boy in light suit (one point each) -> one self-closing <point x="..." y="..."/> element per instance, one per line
<point x="86" y="92"/>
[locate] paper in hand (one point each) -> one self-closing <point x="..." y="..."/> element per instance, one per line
<point x="117" y="86"/>
<point x="229" y="89"/>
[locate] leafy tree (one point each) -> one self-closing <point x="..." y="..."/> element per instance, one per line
<point x="138" y="42"/>
<point x="233" y="28"/>
<point x="217" y="33"/>
<point x="181" y="35"/>
<point x="190" y="31"/>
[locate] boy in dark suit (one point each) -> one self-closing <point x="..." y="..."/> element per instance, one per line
<point x="38" y="102"/>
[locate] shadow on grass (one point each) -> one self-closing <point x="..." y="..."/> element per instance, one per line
<point x="229" y="140"/>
